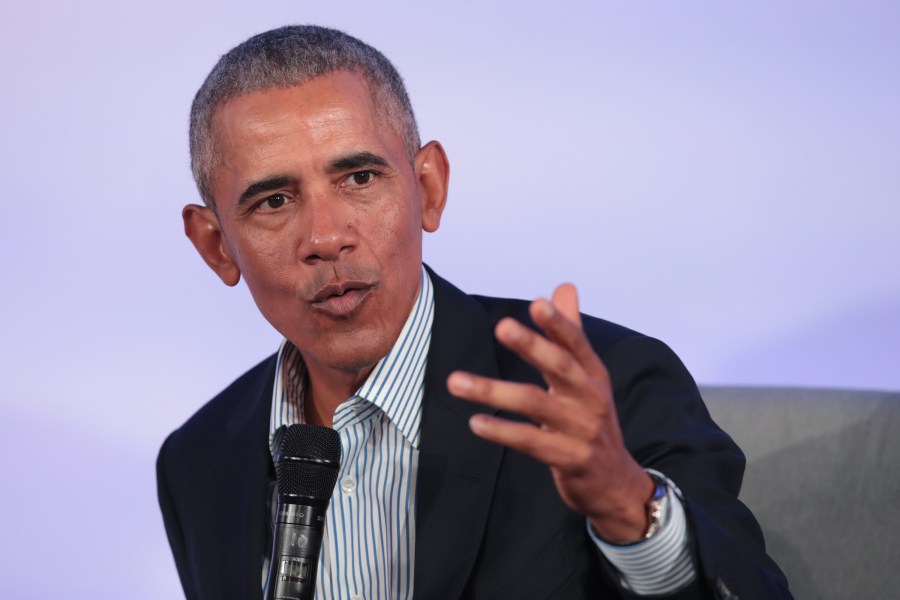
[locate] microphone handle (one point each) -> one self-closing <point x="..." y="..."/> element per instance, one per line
<point x="295" y="551"/>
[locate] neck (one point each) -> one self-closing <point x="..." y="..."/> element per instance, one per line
<point x="327" y="389"/>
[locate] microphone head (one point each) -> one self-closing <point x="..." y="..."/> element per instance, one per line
<point x="308" y="461"/>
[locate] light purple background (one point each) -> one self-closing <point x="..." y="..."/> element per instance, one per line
<point x="722" y="175"/>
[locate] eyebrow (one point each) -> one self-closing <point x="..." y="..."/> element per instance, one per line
<point x="265" y="185"/>
<point x="350" y="162"/>
<point x="358" y="160"/>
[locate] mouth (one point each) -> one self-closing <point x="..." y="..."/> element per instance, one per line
<point x="342" y="299"/>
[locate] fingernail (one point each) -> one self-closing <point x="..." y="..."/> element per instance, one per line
<point x="545" y="308"/>
<point x="512" y="332"/>
<point x="478" y="423"/>
<point x="461" y="381"/>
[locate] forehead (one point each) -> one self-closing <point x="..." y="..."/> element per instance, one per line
<point x="324" y="116"/>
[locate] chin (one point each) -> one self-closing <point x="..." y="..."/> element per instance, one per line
<point x="351" y="354"/>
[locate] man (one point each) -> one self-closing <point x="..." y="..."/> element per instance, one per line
<point x="491" y="448"/>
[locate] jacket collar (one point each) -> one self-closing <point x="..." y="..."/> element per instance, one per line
<point x="457" y="470"/>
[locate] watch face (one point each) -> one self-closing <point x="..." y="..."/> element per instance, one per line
<point x="660" y="492"/>
<point x="656" y="507"/>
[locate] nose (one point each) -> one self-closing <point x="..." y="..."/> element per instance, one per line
<point x="329" y="229"/>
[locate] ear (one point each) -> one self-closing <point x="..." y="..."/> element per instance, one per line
<point x="202" y="226"/>
<point x="433" y="173"/>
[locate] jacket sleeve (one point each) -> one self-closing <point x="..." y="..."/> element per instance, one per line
<point x="666" y="427"/>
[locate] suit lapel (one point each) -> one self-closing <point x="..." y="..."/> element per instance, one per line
<point x="457" y="470"/>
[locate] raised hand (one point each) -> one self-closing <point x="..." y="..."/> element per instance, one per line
<point x="575" y="430"/>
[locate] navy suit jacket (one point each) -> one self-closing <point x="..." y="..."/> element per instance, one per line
<point x="489" y="522"/>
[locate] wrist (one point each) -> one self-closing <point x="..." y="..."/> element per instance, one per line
<point x="627" y="517"/>
<point x="646" y="518"/>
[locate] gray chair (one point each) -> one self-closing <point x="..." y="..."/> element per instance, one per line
<point x="823" y="478"/>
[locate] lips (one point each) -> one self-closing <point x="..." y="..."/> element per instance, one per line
<point x="342" y="299"/>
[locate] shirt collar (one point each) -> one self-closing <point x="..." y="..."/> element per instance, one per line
<point x="395" y="385"/>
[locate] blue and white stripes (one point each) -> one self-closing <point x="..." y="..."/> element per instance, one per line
<point x="369" y="545"/>
<point x="661" y="564"/>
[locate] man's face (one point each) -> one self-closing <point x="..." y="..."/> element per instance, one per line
<point x="321" y="212"/>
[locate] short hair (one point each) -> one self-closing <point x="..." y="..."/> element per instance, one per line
<point x="287" y="57"/>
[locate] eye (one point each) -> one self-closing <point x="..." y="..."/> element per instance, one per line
<point x="360" y="178"/>
<point x="273" y="202"/>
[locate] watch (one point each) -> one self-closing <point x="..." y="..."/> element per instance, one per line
<point x="656" y="506"/>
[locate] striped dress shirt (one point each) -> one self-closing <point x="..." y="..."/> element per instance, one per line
<point x="368" y="548"/>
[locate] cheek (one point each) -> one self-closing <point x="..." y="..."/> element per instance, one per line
<point x="265" y="262"/>
<point x="399" y="241"/>
<point x="399" y="228"/>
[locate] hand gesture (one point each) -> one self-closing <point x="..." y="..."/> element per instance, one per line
<point x="575" y="430"/>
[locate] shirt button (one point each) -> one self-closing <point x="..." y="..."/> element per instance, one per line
<point x="348" y="484"/>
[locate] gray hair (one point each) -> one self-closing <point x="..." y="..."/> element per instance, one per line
<point x="287" y="57"/>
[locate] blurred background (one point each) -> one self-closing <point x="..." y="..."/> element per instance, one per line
<point x="721" y="175"/>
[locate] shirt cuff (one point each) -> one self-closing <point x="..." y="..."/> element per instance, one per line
<point x="661" y="564"/>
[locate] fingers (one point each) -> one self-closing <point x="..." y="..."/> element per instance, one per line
<point x="566" y="330"/>
<point x="552" y="448"/>
<point x="575" y="429"/>
<point x="578" y="404"/>
<point x="555" y="412"/>
<point x="559" y="366"/>
<point x="565" y="299"/>
<point x="564" y="357"/>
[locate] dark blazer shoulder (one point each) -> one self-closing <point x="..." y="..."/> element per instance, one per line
<point x="212" y="470"/>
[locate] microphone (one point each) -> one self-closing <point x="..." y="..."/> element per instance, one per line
<point x="307" y="469"/>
